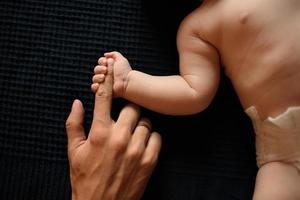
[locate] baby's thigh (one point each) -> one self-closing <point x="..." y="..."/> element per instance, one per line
<point x="277" y="181"/>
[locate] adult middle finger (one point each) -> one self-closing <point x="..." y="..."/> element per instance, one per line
<point x="141" y="134"/>
<point x="129" y="117"/>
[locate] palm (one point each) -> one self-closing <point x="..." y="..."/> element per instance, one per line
<point x="121" y="70"/>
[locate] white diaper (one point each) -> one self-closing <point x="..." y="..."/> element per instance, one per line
<point x="277" y="139"/>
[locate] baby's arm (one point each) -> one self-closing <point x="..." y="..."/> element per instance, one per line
<point x="189" y="93"/>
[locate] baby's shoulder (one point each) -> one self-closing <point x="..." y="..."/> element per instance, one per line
<point x="202" y="22"/>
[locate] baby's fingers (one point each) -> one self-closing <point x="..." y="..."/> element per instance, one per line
<point x="98" y="78"/>
<point x="94" y="87"/>
<point x="102" y="61"/>
<point x="100" y="69"/>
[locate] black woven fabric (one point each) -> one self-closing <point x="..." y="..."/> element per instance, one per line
<point x="48" y="50"/>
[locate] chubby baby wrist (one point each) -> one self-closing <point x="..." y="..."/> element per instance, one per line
<point x="127" y="81"/>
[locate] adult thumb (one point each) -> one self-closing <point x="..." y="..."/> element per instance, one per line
<point x="74" y="125"/>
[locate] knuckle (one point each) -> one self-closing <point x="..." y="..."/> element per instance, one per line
<point x="133" y="153"/>
<point x="76" y="166"/>
<point x="97" y="140"/>
<point x="103" y="94"/>
<point x="123" y="131"/>
<point x="149" y="161"/>
<point x="70" y="124"/>
<point x="118" y="145"/>
<point x="146" y="123"/>
<point x="98" y="136"/>
<point x="94" y="140"/>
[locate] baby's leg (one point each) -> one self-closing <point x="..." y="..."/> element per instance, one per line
<point x="277" y="181"/>
<point x="100" y="70"/>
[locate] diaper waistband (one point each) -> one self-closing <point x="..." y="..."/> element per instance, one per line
<point x="278" y="138"/>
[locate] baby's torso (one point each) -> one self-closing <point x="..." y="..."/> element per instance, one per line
<point x="259" y="46"/>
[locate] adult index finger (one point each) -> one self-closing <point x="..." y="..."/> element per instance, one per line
<point x="103" y="97"/>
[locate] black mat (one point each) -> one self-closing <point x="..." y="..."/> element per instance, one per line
<point x="48" y="50"/>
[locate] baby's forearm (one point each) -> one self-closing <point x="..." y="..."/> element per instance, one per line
<point x="170" y="95"/>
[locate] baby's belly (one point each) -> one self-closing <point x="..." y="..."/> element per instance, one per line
<point x="270" y="88"/>
<point x="272" y="100"/>
<point x="268" y="78"/>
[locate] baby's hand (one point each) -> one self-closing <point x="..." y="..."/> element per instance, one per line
<point x="121" y="69"/>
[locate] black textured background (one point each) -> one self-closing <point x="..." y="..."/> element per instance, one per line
<point x="47" y="53"/>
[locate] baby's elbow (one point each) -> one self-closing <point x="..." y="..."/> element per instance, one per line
<point x="203" y="103"/>
<point x="199" y="103"/>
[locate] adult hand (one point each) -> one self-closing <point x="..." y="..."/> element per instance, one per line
<point x="116" y="161"/>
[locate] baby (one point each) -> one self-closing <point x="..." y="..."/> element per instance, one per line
<point x="258" y="43"/>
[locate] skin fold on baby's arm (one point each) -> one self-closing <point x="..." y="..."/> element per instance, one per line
<point x="188" y="93"/>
